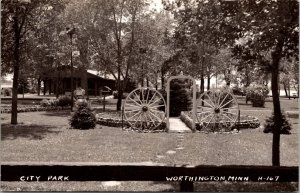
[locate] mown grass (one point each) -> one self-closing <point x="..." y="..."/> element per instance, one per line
<point x="45" y="136"/>
<point x="150" y="186"/>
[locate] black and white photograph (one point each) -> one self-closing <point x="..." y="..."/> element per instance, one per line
<point x="149" y="95"/>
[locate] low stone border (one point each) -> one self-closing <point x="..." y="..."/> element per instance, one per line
<point x="247" y="122"/>
<point x="22" y="109"/>
<point x="117" y="122"/>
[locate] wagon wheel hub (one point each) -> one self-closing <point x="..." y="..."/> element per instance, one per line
<point x="217" y="110"/>
<point x="144" y="108"/>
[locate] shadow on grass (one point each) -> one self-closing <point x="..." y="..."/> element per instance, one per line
<point x="234" y="186"/>
<point x="65" y="113"/>
<point x="31" y="132"/>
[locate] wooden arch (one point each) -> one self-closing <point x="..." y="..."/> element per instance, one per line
<point x="194" y="99"/>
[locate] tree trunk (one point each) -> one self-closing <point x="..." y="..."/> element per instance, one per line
<point x="202" y="84"/>
<point x="162" y="82"/>
<point x="277" y="121"/>
<point x="45" y="85"/>
<point x="276" y="56"/>
<point x="285" y="90"/>
<point x="14" y="103"/>
<point x="39" y="86"/>
<point x="120" y="91"/>
<point x="208" y="83"/>
<point x="84" y="81"/>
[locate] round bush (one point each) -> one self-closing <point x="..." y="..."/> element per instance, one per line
<point x="64" y="101"/>
<point x="270" y="124"/>
<point x="83" y="118"/>
<point x="257" y="95"/>
<point x="45" y="103"/>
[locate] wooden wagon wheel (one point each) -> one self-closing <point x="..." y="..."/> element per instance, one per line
<point x="144" y="108"/>
<point x="217" y="110"/>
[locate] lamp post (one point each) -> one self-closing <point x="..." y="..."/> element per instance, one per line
<point x="71" y="32"/>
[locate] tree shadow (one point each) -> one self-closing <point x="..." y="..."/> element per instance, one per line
<point x="31" y="132"/>
<point x="65" y="113"/>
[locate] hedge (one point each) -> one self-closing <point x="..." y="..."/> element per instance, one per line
<point x="22" y="109"/>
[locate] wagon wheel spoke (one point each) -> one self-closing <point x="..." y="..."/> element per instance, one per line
<point x="150" y="105"/>
<point x="228" y="117"/>
<point x="137" y="120"/>
<point x="155" y="110"/>
<point x="233" y="107"/>
<point x="143" y="100"/>
<point x="130" y="111"/>
<point x="219" y="98"/>
<point x="213" y="116"/>
<point x="153" y="114"/>
<point x="151" y="98"/>
<point x="235" y="114"/>
<point x="202" y="100"/>
<point x="132" y="105"/>
<point x="154" y="107"/>
<point x="223" y="99"/>
<point x="138" y="98"/>
<point x="226" y="103"/>
<point x="147" y="99"/>
<point x="138" y="104"/>
<point x="134" y="115"/>
<point x="153" y="121"/>
<point x="213" y="106"/>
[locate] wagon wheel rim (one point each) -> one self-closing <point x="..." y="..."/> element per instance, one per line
<point x="217" y="110"/>
<point x="141" y="108"/>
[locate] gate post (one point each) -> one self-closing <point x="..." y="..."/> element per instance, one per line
<point x="194" y="100"/>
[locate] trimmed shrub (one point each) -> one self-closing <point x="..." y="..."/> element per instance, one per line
<point x="64" y="101"/>
<point x="269" y="124"/>
<point x="257" y="95"/>
<point x="53" y="102"/>
<point x="180" y="98"/>
<point x="83" y="118"/>
<point x="6" y="92"/>
<point x="237" y="91"/>
<point x="45" y="103"/>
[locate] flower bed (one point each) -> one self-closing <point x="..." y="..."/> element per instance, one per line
<point x="246" y="122"/>
<point x="31" y="108"/>
<point x="114" y="119"/>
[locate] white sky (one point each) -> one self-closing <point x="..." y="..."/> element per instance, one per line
<point x="156" y="4"/>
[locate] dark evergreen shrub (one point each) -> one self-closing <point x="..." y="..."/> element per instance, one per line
<point x="269" y="124"/>
<point x="23" y="86"/>
<point x="180" y="97"/>
<point x="83" y="118"/>
<point x="6" y="92"/>
<point x="64" y="101"/>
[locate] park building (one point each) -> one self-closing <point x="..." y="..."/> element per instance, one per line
<point x="59" y="81"/>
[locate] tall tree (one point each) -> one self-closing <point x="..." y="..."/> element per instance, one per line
<point x="269" y="30"/>
<point x="200" y="32"/>
<point x="17" y="22"/>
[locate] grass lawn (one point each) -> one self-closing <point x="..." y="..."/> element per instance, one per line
<point x="45" y="136"/>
